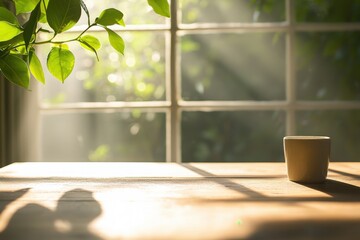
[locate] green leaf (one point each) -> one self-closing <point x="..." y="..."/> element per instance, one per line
<point x="89" y="47"/>
<point x="15" y="70"/>
<point x="7" y="16"/>
<point x="109" y="17"/>
<point x="21" y="50"/>
<point x="161" y="7"/>
<point x="8" y="31"/>
<point x="25" y="6"/>
<point x="121" y="22"/>
<point x="60" y="62"/>
<point x="90" y="43"/>
<point x="36" y="67"/>
<point x="43" y="7"/>
<point x="14" y="41"/>
<point x="116" y="41"/>
<point x="83" y="6"/>
<point x="31" y="25"/>
<point x="63" y="14"/>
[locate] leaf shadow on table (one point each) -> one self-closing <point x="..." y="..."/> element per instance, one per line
<point x="75" y="210"/>
<point x="9" y="197"/>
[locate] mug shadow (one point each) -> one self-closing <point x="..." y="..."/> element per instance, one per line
<point x="307" y="229"/>
<point x="70" y="219"/>
<point x="329" y="229"/>
<point x="336" y="189"/>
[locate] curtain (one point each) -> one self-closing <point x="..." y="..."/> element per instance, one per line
<point x="19" y="123"/>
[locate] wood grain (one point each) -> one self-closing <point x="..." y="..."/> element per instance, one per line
<point x="176" y="201"/>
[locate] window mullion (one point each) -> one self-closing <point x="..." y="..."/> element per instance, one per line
<point x="290" y="70"/>
<point x="173" y="122"/>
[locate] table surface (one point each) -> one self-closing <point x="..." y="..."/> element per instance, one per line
<point x="176" y="201"/>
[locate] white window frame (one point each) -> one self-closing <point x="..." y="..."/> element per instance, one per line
<point x="173" y="106"/>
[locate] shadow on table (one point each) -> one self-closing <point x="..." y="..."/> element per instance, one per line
<point x="338" y="191"/>
<point x="75" y="210"/>
<point x="9" y="197"/>
<point x="224" y="181"/>
<point x="308" y="229"/>
<point x="354" y="176"/>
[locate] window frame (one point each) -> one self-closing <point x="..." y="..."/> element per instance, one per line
<point x="173" y="106"/>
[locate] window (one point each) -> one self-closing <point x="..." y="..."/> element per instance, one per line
<point x="220" y="81"/>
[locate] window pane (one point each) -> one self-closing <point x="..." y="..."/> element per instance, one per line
<point x="342" y="126"/>
<point x="232" y="66"/>
<point x="135" y="11"/>
<point x="122" y="136"/>
<point x="328" y="66"/>
<point x="232" y="136"/>
<point x="210" y="11"/>
<point x="327" y="11"/>
<point x="139" y="75"/>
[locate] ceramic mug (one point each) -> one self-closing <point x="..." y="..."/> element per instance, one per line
<point x="307" y="158"/>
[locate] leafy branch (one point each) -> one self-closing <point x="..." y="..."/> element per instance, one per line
<point x="18" y="41"/>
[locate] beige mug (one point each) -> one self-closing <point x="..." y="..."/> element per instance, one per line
<point x="307" y="158"/>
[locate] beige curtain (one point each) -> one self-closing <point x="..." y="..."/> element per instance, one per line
<point x="3" y="125"/>
<point x="19" y="128"/>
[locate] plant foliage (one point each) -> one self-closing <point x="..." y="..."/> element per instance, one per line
<point x="18" y="41"/>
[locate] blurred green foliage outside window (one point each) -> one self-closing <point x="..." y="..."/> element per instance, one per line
<point x="248" y="63"/>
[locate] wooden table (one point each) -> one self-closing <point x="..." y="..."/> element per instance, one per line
<point x="175" y="201"/>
